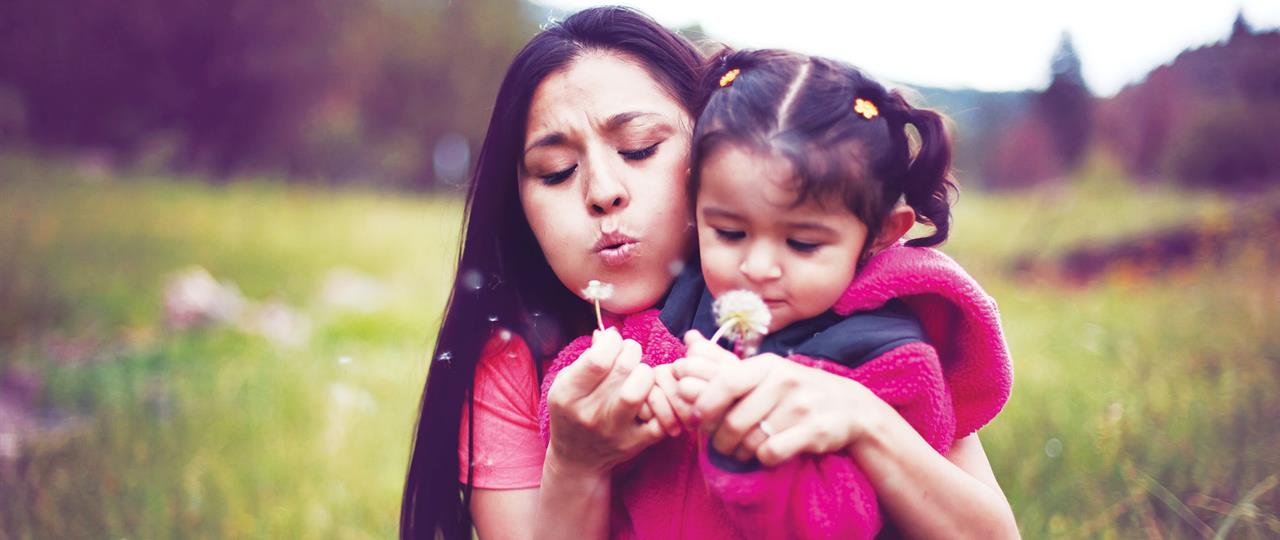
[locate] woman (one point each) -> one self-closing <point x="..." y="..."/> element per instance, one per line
<point x="582" y="176"/>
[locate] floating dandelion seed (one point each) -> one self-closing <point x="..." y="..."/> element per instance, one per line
<point x="743" y="318"/>
<point x="473" y="280"/>
<point x="676" y="267"/>
<point x="596" y="292"/>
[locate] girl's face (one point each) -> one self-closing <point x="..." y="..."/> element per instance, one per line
<point x="603" y="179"/>
<point x="799" y="259"/>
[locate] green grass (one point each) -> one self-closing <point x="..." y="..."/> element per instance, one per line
<point x="1141" y="406"/>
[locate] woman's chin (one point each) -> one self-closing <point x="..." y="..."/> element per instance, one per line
<point x="630" y="300"/>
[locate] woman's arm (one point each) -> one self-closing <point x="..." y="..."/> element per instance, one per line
<point x="592" y="405"/>
<point x="504" y="514"/>
<point x="926" y="494"/>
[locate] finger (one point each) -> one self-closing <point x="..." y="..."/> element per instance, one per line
<point x="649" y="433"/>
<point x="663" y="412"/>
<point x="664" y="378"/>
<point x="750" y="444"/>
<point x="634" y="390"/>
<point x="745" y="416"/>
<point x="689" y="389"/>
<point x="741" y="454"/>
<point x="806" y="437"/>
<point x="630" y="354"/>
<point x="696" y="366"/>
<point x="594" y="365"/>
<point x="700" y="346"/>
<point x="646" y="413"/>
<point x="735" y="381"/>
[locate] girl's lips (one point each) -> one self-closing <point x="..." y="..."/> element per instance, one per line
<point x="618" y="254"/>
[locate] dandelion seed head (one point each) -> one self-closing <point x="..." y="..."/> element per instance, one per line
<point x="597" y="291"/>
<point x="746" y="311"/>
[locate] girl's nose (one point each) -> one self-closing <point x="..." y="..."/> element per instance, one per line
<point x="760" y="264"/>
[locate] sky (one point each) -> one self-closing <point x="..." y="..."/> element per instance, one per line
<point x="983" y="44"/>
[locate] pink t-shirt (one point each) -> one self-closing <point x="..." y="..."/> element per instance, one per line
<point x="509" y="449"/>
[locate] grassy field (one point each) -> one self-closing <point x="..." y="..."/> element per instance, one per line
<point x="1143" y="406"/>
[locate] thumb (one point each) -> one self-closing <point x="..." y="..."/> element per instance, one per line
<point x="696" y="345"/>
<point x="584" y="375"/>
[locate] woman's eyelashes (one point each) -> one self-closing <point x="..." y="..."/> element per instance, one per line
<point x="641" y="154"/>
<point x="558" y="176"/>
<point x="629" y="155"/>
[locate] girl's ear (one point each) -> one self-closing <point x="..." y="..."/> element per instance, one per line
<point x="896" y="224"/>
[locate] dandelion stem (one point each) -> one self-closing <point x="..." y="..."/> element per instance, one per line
<point x="599" y="318"/>
<point x="715" y="338"/>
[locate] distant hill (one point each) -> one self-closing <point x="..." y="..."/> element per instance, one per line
<point x="1210" y="116"/>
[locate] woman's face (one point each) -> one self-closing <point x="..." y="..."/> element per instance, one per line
<point x="603" y="176"/>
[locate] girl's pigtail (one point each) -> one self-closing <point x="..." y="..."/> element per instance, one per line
<point x="927" y="184"/>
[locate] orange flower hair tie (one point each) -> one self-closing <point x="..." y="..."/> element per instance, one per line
<point x="729" y="76"/>
<point x="866" y="108"/>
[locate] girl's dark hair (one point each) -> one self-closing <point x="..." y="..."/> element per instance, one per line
<point x="801" y="108"/>
<point x="503" y="279"/>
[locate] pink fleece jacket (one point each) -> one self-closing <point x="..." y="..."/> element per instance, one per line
<point x="946" y="389"/>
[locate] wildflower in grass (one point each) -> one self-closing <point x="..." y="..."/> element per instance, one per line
<point x="743" y="318"/>
<point x="596" y="292"/>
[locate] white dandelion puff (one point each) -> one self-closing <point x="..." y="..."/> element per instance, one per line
<point x="598" y="291"/>
<point x="743" y="318"/>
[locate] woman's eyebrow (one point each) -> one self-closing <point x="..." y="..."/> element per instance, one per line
<point x="551" y="139"/>
<point x="621" y="119"/>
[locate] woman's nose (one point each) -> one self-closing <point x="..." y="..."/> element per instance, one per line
<point x="605" y="190"/>
<point x="760" y="264"/>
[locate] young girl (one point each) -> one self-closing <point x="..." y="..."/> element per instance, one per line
<point x="804" y="180"/>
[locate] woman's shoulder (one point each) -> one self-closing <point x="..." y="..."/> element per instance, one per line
<point x="506" y="365"/>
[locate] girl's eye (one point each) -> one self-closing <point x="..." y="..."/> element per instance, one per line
<point x="730" y="235"/>
<point x="641" y="154"/>
<point x="803" y="247"/>
<point x="558" y="176"/>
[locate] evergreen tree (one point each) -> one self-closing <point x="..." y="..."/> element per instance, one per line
<point x="1066" y="105"/>
<point x="1240" y="28"/>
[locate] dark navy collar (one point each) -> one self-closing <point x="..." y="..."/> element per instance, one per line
<point x="849" y="340"/>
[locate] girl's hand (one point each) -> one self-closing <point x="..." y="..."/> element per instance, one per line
<point x="593" y="405"/>
<point x="774" y="409"/>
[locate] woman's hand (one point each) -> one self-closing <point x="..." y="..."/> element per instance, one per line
<point x="594" y="404"/>
<point x="771" y="408"/>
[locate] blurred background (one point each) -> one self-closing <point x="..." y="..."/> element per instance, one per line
<point x="227" y="231"/>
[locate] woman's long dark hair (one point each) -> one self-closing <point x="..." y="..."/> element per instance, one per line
<point x="503" y="279"/>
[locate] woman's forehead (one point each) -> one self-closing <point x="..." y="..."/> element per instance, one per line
<point x="597" y="90"/>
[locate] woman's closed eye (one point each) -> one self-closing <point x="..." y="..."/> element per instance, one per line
<point x="558" y="176"/>
<point x="803" y="247"/>
<point x="641" y="154"/>
<point x="730" y="235"/>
